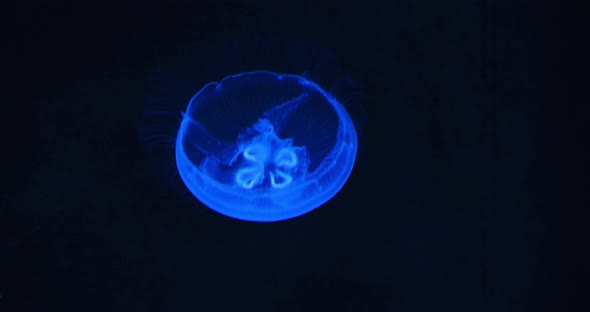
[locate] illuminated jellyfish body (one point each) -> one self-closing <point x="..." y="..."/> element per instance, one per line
<point x="261" y="145"/>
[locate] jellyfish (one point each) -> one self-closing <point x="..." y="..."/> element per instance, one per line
<point x="269" y="139"/>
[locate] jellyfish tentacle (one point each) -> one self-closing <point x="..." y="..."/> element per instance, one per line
<point x="279" y="114"/>
<point x="207" y="143"/>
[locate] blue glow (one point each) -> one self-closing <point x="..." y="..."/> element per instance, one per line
<point x="261" y="146"/>
<point x="271" y="140"/>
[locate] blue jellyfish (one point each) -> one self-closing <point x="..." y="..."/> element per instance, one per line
<point x="267" y="141"/>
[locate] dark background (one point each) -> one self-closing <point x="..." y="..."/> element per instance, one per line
<point x="470" y="195"/>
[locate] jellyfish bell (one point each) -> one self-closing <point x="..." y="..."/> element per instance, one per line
<point x="254" y="127"/>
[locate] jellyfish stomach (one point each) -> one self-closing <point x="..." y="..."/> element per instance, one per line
<point x="270" y="162"/>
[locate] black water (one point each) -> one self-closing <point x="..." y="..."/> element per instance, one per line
<point x="469" y="194"/>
